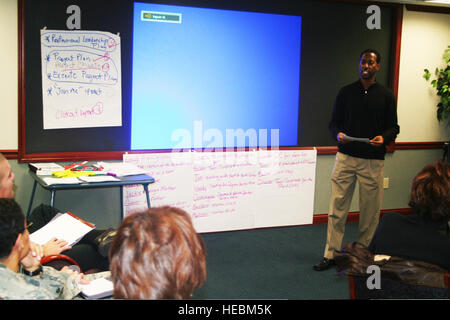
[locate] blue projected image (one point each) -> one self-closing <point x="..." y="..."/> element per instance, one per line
<point x="203" y="78"/>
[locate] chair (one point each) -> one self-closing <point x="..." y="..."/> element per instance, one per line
<point x="394" y="289"/>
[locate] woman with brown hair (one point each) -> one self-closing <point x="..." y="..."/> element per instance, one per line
<point x="157" y="254"/>
<point x="424" y="234"/>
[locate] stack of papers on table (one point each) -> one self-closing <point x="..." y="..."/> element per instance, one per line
<point x="120" y="169"/>
<point x="51" y="181"/>
<point x="98" y="178"/>
<point x="66" y="226"/>
<point x="45" y="169"/>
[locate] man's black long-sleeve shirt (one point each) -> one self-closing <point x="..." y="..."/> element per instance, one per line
<point x="365" y="114"/>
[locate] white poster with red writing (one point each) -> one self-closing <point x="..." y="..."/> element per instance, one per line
<point x="225" y="191"/>
<point x="81" y="79"/>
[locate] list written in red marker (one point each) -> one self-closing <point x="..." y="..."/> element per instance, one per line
<point x="81" y="79"/>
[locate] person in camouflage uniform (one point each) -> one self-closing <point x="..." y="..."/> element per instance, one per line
<point x="21" y="275"/>
<point x="52" y="284"/>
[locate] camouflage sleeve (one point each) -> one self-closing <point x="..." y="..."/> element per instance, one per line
<point x="67" y="285"/>
<point x="98" y="275"/>
<point x="70" y="288"/>
<point x="14" y="285"/>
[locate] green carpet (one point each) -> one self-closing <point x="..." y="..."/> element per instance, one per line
<point x="273" y="263"/>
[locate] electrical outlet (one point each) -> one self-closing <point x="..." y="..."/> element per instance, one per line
<point x="386" y="183"/>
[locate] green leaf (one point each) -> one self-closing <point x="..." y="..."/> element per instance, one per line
<point x="441" y="83"/>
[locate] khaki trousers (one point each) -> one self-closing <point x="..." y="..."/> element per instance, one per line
<point x="347" y="170"/>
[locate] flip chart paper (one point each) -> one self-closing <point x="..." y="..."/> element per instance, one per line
<point x="81" y="79"/>
<point x="229" y="190"/>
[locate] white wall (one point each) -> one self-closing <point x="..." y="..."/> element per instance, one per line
<point x="8" y="78"/>
<point x="425" y="36"/>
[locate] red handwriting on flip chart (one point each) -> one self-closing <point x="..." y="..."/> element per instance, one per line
<point x="222" y="185"/>
<point x="81" y="112"/>
<point x="225" y="187"/>
<point x="112" y="43"/>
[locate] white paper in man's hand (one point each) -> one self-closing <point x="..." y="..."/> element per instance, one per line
<point x="349" y="138"/>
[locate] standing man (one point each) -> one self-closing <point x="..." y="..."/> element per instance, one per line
<point x="363" y="109"/>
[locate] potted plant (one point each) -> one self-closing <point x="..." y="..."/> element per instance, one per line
<point x="442" y="85"/>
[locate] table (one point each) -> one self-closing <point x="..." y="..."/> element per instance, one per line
<point x="141" y="179"/>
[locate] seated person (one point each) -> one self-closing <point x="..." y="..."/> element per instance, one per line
<point x="90" y="253"/>
<point x="21" y="274"/>
<point x="156" y="254"/>
<point x="424" y="234"/>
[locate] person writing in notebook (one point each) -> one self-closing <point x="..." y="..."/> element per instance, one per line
<point x="21" y="274"/>
<point x="362" y="109"/>
<point x="90" y="253"/>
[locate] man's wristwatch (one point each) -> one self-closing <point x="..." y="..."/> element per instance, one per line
<point x="32" y="273"/>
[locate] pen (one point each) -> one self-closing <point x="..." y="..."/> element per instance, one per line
<point x="112" y="174"/>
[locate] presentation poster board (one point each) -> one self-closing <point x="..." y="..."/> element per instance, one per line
<point x="224" y="191"/>
<point x="81" y="79"/>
